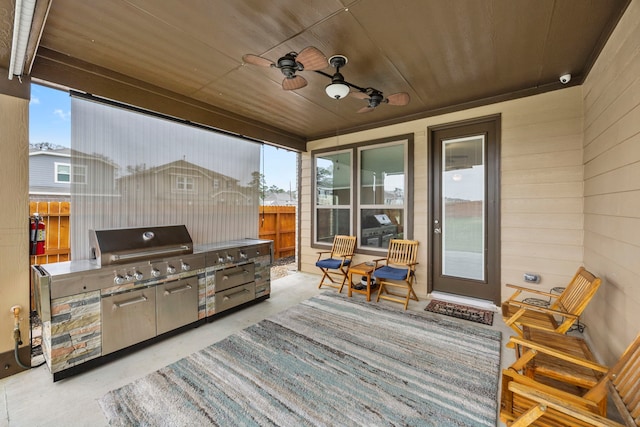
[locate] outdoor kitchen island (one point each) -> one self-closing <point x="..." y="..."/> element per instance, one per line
<point x="94" y="311"/>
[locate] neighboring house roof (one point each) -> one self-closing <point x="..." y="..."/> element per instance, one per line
<point x="47" y="149"/>
<point x="178" y="164"/>
<point x="228" y="187"/>
<point x="280" y="199"/>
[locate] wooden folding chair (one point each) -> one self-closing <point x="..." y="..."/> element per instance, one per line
<point x="563" y="311"/>
<point x="398" y="271"/>
<point x="525" y="401"/>
<point x="334" y="264"/>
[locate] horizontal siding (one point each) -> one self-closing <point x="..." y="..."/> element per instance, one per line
<point x="541" y="185"/>
<point x="14" y="247"/>
<point x="42" y="172"/>
<point x="612" y="187"/>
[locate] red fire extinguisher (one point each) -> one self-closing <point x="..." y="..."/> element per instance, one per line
<point x="37" y="235"/>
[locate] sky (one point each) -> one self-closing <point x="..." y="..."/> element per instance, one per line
<point x="50" y="121"/>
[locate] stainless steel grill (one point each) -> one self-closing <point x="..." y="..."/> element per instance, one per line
<point x="118" y="246"/>
<point x="140" y="284"/>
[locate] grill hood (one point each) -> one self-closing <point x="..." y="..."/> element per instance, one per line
<point x="122" y="245"/>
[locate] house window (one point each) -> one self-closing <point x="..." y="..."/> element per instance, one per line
<point x="377" y="205"/>
<point x="333" y="198"/>
<point x="382" y="184"/>
<point x="63" y="174"/>
<point x="185" y="183"/>
<point x="79" y="174"/>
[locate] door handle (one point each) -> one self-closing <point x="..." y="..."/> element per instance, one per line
<point x="235" y="294"/>
<point x="177" y="290"/>
<point x="138" y="300"/>
<point x="237" y="273"/>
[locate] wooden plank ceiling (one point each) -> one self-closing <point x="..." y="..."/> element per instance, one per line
<point x="445" y="54"/>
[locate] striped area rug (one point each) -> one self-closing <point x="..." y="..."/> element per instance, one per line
<point x="331" y="361"/>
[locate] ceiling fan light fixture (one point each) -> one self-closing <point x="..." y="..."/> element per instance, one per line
<point x="337" y="90"/>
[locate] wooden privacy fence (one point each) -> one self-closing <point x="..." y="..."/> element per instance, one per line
<point x="55" y="216"/>
<point x="278" y="223"/>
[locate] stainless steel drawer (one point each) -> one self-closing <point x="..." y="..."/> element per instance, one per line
<point x="234" y="276"/>
<point x="235" y="296"/>
<point x="128" y="318"/>
<point x="176" y="304"/>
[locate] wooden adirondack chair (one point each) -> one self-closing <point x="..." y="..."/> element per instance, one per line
<point x="563" y="311"/>
<point x="334" y="264"/>
<point x="525" y="401"/>
<point x="397" y="270"/>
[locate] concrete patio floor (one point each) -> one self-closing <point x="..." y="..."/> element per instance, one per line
<point x="31" y="398"/>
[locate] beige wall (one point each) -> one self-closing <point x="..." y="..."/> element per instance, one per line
<point x="612" y="187"/>
<point x="570" y="183"/>
<point x="541" y="185"/>
<point x="14" y="215"/>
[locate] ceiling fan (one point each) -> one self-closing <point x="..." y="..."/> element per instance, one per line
<point x="374" y="98"/>
<point x="340" y="88"/>
<point x="309" y="58"/>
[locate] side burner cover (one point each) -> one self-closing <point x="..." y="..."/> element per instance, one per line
<point x="121" y="245"/>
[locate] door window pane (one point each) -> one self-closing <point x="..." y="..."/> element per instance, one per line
<point x="463" y="193"/>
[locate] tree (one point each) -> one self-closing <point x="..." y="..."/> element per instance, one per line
<point x="324" y="177"/>
<point x="258" y="182"/>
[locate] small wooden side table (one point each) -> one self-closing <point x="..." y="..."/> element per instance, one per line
<point x="363" y="269"/>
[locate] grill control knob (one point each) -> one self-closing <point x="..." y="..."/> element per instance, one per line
<point x="155" y="272"/>
<point x="229" y="258"/>
<point x="220" y="259"/>
<point x="171" y="269"/>
<point x="118" y="280"/>
<point x="243" y="255"/>
<point x="138" y="275"/>
<point x="185" y="266"/>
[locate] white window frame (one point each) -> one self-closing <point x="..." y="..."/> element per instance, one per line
<point x="57" y="173"/>
<point x="75" y="171"/>
<point x="186" y="181"/>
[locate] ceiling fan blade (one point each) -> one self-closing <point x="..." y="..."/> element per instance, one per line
<point x="296" y="82"/>
<point x="312" y="59"/>
<point x="401" y="98"/>
<point x="257" y="60"/>
<point x="366" y="109"/>
<point x="359" y="95"/>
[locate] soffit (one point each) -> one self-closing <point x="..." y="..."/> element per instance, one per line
<point x="445" y="54"/>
